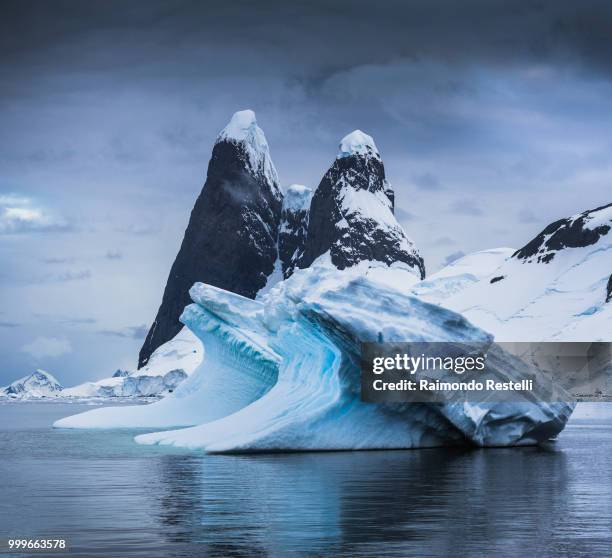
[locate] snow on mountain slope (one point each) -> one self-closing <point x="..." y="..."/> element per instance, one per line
<point x="38" y="384"/>
<point x="231" y="238"/>
<point x="554" y="288"/>
<point x="184" y="352"/>
<point x="351" y="213"/>
<point x="463" y="272"/>
<point x="283" y="373"/>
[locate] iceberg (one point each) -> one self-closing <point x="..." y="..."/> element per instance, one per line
<point x="282" y="373"/>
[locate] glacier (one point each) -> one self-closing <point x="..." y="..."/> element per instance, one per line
<point x="282" y="373"/>
<point x="552" y="289"/>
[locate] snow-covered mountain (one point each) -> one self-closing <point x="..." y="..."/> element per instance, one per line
<point x="231" y="237"/>
<point x="556" y="287"/>
<point x="38" y="384"/>
<point x="460" y="274"/>
<point x="351" y="214"/>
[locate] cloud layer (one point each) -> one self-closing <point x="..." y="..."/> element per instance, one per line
<point x="490" y="116"/>
<point x="47" y="347"/>
<point x="19" y="214"/>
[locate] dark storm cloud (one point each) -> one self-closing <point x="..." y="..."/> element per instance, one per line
<point x="315" y="39"/>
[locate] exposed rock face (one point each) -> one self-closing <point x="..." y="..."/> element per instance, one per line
<point x="578" y="231"/>
<point x="609" y="290"/>
<point x="230" y="241"/>
<point x="351" y="214"/>
<point x="294" y="226"/>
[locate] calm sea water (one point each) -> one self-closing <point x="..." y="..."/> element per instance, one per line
<point x="111" y="497"/>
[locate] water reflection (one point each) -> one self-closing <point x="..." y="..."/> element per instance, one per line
<point x="113" y="497"/>
<point x="428" y="502"/>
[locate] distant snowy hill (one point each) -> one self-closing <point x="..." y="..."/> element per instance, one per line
<point x="169" y="366"/>
<point x="230" y="240"/>
<point x="557" y="287"/>
<point x="39" y="384"/>
<point x="351" y="214"/>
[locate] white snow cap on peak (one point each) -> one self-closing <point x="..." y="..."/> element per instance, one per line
<point x="357" y="143"/>
<point x="297" y="197"/>
<point x="243" y="128"/>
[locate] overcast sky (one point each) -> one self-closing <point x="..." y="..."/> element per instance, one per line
<point x="493" y="118"/>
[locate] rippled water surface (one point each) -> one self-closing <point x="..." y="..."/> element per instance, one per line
<point x="109" y="496"/>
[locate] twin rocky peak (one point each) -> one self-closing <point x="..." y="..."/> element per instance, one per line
<point x="244" y="231"/>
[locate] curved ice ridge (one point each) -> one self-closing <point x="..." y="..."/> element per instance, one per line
<point x="300" y="349"/>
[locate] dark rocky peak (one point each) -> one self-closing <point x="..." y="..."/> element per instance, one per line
<point x="579" y="231"/>
<point x="230" y="241"/>
<point x="351" y="213"/>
